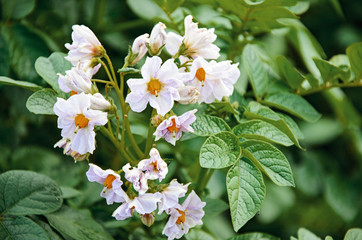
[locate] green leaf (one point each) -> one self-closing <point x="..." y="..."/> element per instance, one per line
<point x="260" y="130"/>
<point x="284" y="123"/>
<point x="219" y="151"/>
<point x="254" y="236"/>
<point x="27" y="85"/>
<point x="292" y="104"/>
<point x="42" y="102"/>
<point x="198" y="234"/>
<point x="69" y="192"/>
<point x="253" y="66"/>
<point x="149" y="9"/>
<point x="328" y="238"/>
<point x="224" y="107"/>
<point x="206" y="125"/>
<point x="270" y="160"/>
<point x="246" y="192"/>
<point x="25" y="192"/>
<point x="48" y="68"/>
<point x="46" y="227"/>
<point x="25" y="47"/>
<point x="169" y="5"/>
<point x="21" y="228"/>
<point x="17" y="9"/>
<point x="290" y="74"/>
<point x="304" y="234"/>
<point x="78" y="225"/>
<point x="331" y="73"/>
<point x="354" y="53"/>
<point x="214" y="207"/>
<point x="353" y="234"/>
<point x="4" y="57"/>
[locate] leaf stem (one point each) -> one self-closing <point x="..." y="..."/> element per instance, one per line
<point x="326" y="86"/>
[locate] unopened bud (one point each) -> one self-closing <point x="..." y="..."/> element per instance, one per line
<point x="98" y="102"/>
<point x="157" y="120"/>
<point x="188" y="94"/>
<point x="148" y="219"/>
<point x="157" y="38"/>
<point x="79" y="157"/>
<point x="139" y="48"/>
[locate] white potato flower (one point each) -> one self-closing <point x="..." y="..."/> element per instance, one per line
<point x="171" y="194"/>
<point x="154" y="167"/>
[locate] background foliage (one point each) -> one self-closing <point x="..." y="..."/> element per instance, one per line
<point x="327" y="177"/>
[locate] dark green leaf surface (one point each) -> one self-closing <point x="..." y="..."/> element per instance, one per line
<point x="21" y="228"/>
<point x="293" y="104"/>
<point x="25" y="192"/>
<point x="42" y="102"/>
<point x="16" y="9"/>
<point x="246" y="192"/>
<point x="48" y="68"/>
<point x="27" y="85"/>
<point x="4" y="57"/>
<point x="77" y="224"/>
<point x="219" y="151"/>
<point x="206" y="125"/>
<point x="290" y="74"/>
<point x="270" y="160"/>
<point x="260" y="130"/>
<point x="254" y="236"/>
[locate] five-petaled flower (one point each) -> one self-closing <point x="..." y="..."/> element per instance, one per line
<point x="154" y="167"/>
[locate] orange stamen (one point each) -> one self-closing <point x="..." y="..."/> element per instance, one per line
<point x="154" y="86"/>
<point x="81" y="121"/>
<point x="180" y="219"/>
<point x="109" y="180"/>
<point x="155" y="166"/>
<point x="73" y="93"/>
<point x="200" y="74"/>
<point x="173" y="127"/>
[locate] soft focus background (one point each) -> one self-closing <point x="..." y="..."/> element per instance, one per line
<point x="327" y="197"/>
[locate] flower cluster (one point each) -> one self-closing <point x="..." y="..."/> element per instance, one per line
<point x="188" y="77"/>
<point x="138" y="198"/>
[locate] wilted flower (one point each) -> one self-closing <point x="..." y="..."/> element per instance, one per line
<point x="188" y="94"/>
<point x="212" y="79"/>
<point x="85" y="45"/>
<point x="158" y="86"/>
<point x="171" y="194"/>
<point x="137" y="177"/>
<point x="112" y="190"/>
<point x="143" y="204"/>
<point x="171" y="129"/>
<point x="77" y="121"/>
<point x="185" y="216"/>
<point x="139" y="47"/>
<point x="197" y="42"/>
<point x="157" y="38"/>
<point x="154" y="167"/>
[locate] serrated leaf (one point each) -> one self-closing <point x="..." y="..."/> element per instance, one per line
<point x="304" y="234"/>
<point x="354" y="53"/>
<point x="48" y="68"/>
<point x="246" y="192"/>
<point x="42" y="102"/>
<point x="353" y="234"/>
<point x="27" y="85"/>
<point x="293" y="104"/>
<point x="254" y="68"/>
<point x="290" y="74"/>
<point x="270" y="160"/>
<point x="25" y="193"/>
<point x="21" y="228"/>
<point x="214" y="207"/>
<point x="16" y="9"/>
<point x="254" y="236"/>
<point x="260" y="130"/>
<point x="284" y="123"/>
<point x="76" y="224"/>
<point x="206" y="125"/>
<point x="219" y="151"/>
<point x="329" y="72"/>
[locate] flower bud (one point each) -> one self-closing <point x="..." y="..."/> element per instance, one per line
<point x="98" y="102"/>
<point x="139" y="48"/>
<point x="157" y="38"/>
<point x="148" y="219"/>
<point x="188" y="94"/>
<point x="156" y="120"/>
<point x="79" y="157"/>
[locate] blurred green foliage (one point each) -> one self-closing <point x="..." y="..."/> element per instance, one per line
<point x="328" y="179"/>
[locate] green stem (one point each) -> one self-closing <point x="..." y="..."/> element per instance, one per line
<point x="200" y="180"/>
<point x="112" y="69"/>
<point x="328" y="86"/>
<point x="101" y="81"/>
<point x="107" y="71"/>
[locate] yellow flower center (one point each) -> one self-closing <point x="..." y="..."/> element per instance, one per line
<point x="200" y="75"/>
<point x="173" y="128"/>
<point x="154" y="86"/>
<point x="180" y="219"/>
<point x="109" y="180"/>
<point x="81" y="121"/>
